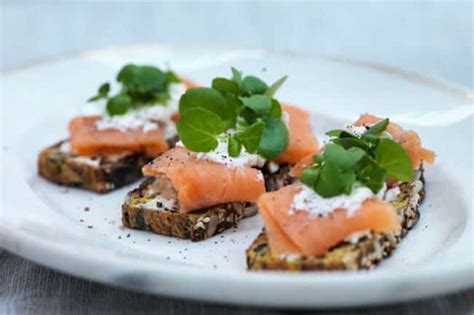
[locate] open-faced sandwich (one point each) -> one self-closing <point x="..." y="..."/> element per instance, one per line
<point x="108" y="150"/>
<point x="355" y="201"/>
<point x="234" y="136"/>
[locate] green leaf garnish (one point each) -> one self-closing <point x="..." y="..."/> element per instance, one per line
<point x="371" y="174"/>
<point x="333" y="170"/>
<point x="378" y="127"/>
<point x="393" y="158"/>
<point x="366" y="160"/>
<point x="198" y="129"/>
<point x="143" y="85"/>
<point x="348" y="178"/>
<point x="258" y="103"/>
<point x="236" y="76"/>
<point x="104" y="89"/>
<point x="102" y="92"/>
<point x="317" y="159"/>
<point x="339" y="133"/>
<point x="310" y="175"/>
<point x="251" y="85"/>
<point x="248" y="115"/>
<point x="334" y="132"/>
<point x="246" y="105"/>
<point x="172" y="77"/>
<point x="142" y="79"/>
<point x="330" y="181"/>
<point x="234" y="147"/>
<point x="275" y="138"/>
<point x="251" y="136"/>
<point x="370" y="138"/>
<point x="206" y="98"/>
<point x="119" y="104"/>
<point x="231" y="108"/>
<point x="348" y="143"/>
<point x="345" y="159"/>
<point x="275" y="86"/>
<point x="275" y="110"/>
<point x="224" y="86"/>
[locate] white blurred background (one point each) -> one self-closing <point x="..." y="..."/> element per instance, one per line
<point x="430" y="37"/>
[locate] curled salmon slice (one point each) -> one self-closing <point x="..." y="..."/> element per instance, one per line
<point x="86" y="139"/>
<point x="201" y="183"/>
<point x="302" y="141"/>
<point x="408" y="139"/>
<point x="300" y="233"/>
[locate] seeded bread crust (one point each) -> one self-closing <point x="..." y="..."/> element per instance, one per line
<point x="277" y="179"/>
<point x="199" y="225"/>
<point x="361" y="251"/>
<point x="196" y="226"/>
<point x="370" y="249"/>
<point x="110" y="172"/>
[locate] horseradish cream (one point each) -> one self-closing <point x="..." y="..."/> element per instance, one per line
<point x="310" y="201"/>
<point x="147" y="117"/>
<point x="273" y="167"/>
<point x="357" y="131"/>
<point x="159" y="203"/>
<point x="221" y="155"/>
<point x="93" y="161"/>
<point x="416" y="187"/>
<point x="131" y="120"/>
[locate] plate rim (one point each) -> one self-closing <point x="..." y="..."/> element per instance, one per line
<point x="457" y="278"/>
<point x="15" y="239"/>
<point x="438" y="83"/>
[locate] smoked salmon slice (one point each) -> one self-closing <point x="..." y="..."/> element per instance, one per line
<point x="302" y="141"/>
<point x="188" y="83"/>
<point x="86" y="139"/>
<point x="299" y="233"/>
<point x="201" y="183"/>
<point x="409" y="140"/>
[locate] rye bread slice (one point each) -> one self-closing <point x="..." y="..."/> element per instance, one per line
<point x="277" y="175"/>
<point x="138" y="213"/>
<point x="142" y="210"/>
<point x="362" y="250"/>
<point x="100" y="174"/>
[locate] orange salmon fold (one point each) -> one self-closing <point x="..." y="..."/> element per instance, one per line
<point x="302" y="141"/>
<point x="299" y="233"/>
<point x="201" y="183"/>
<point x="409" y="140"/>
<point x="86" y="139"/>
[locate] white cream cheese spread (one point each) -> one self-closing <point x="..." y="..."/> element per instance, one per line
<point x="147" y="117"/>
<point x="310" y="201"/>
<point x="221" y="155"/>
<point x="159" y="203"/>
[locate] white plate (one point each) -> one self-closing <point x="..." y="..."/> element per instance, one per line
<point x="42" y="221"/>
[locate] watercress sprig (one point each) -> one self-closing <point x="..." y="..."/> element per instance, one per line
<point x="243" y="104"/>
<point x="367" y="159"/>
<point x="140" y="86"/>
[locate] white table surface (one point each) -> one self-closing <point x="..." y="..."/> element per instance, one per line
<point x="433" y="38"/>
